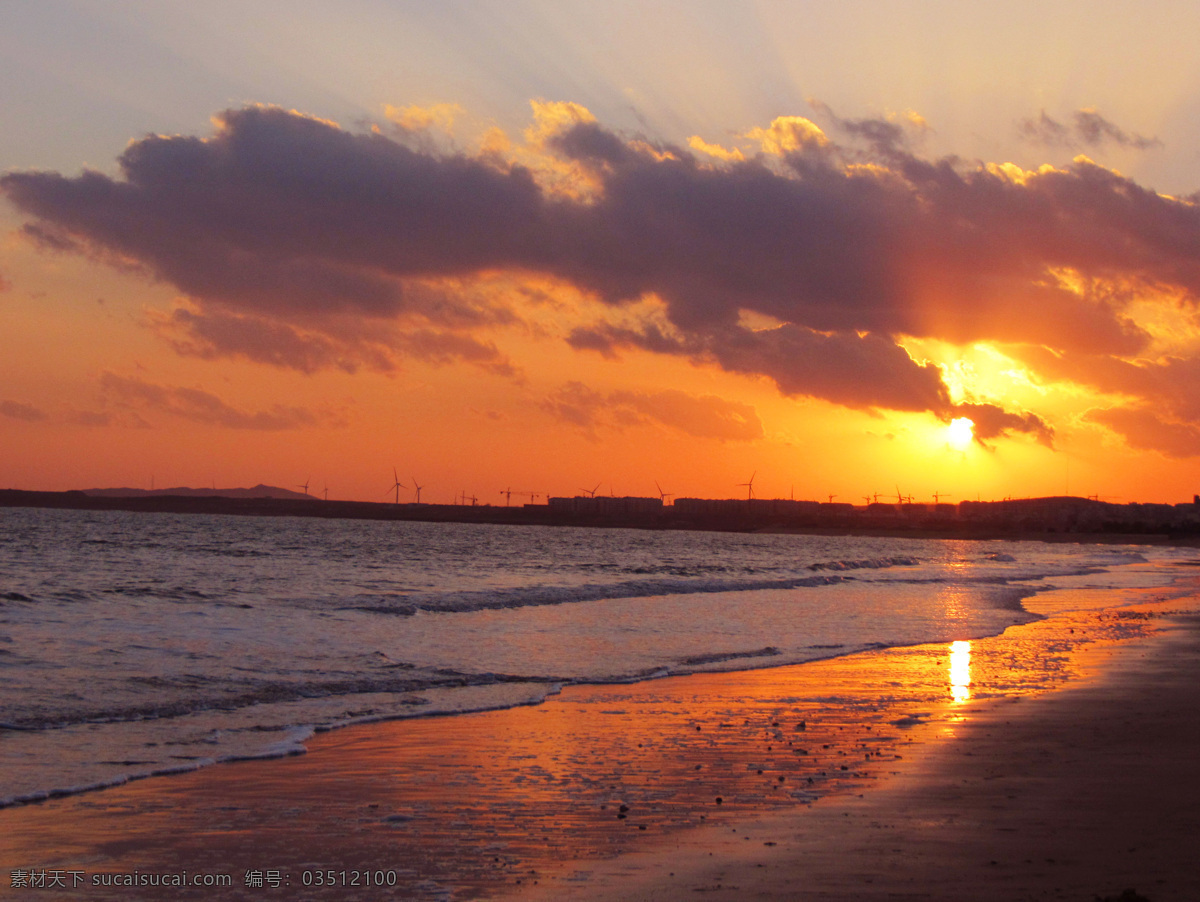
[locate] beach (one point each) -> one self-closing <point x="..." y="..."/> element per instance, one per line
<point x="1084" y="793"/>
<point x="1061" y="764"/>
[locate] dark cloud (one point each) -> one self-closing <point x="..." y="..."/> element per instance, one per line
<point x="843" y="367"/>
<point x="1096" y="130"/>
<point x="992" y="422"/>
<point x="1088" y="128"/>
<point x="281" y="229"/>
<point x="444" y="348"/>
<point x="853" y="370"/>
<point x="608" y="339"/>
<point x="212" y="334"/>
<point x="343" y="343"/>
<point x="1044" y="130"/>
<point x="19" y="410"/>
<point x="201" y="406"/>
<point x="281" y="224"/>
<point x="590" y="142"/>
<point x="885" y="138"/>
<point x="102" y="418"/>
<point x="700" y="416"/>
<point x="51" y="239"/>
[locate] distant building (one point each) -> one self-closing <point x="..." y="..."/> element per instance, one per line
<point x="605" y="506"/>
<point x="752" y="508"/>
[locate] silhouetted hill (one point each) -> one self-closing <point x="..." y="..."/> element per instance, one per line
<point x="259" y="491"/>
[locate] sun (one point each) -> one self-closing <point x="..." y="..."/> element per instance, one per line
<point x="960" y="433"/>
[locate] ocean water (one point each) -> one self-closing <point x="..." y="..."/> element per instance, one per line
<point x="145" y="644"/>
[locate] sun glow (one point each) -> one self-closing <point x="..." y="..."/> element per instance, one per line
<point x="960" y="433"/>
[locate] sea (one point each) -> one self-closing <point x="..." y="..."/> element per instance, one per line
<point x="137" y="644"/>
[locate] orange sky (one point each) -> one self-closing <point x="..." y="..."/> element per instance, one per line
<point x="602" y="274"/>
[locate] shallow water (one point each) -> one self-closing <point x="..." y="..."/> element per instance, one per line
<point x="136" y="644"/>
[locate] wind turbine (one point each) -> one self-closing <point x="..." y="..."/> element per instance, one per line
<point x="397" y="486"/>
<point x="418" y="488"/>
<point x="592" y="493"/>
<point x="327" y="492"/>
<point x="305" y="486"/>
<point x="831" y="497"/>
<point x="937" y="495"/>
<point x="749" y="486"/>
<point x="663" y="496"/>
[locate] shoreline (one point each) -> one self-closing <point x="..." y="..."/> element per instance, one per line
<point x="528" y="788"/>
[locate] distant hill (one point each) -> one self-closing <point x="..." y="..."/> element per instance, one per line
<point x="259" y="491"/>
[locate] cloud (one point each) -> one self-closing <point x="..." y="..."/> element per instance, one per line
<point x="858" y="371"/>
<point x="197" y="405"/>
<point x="101" y="418"/>
<point x="1145" y="429"/>
<point x="286" y="227"/>
<point x="788" y="135"/>
<point x="992" y="422"/>
<point x="699" y="145"/>
<point x="343" y="343"/>
<point x="1087" y="128"/>
<point x="50" y="238"/>
<point x="212" y="334"/>
<point x="886" y="138"/>
<point x="415" y="118"/>
<point x="1163" y="395"/>
<point x="19" y="410"/>
<point x="302" y="244"/>
<point x="700" y="416"/>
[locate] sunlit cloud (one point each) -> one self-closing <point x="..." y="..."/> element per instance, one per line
<point x="789" y="134"/>
<point x="415" y="118"/>
<point x="553" y="117"/>
<point x="699" y="145"/>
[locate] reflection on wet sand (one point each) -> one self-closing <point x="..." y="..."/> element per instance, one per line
<point x="475" y="803"/>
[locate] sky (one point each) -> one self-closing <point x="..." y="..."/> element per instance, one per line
<point x="630" y="248"/>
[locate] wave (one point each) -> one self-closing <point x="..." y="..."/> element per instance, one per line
<point x="526" y="596"/>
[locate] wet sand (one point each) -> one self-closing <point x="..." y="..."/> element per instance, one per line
<point x="933" y="772"/>
<point x="1086" y="793"/>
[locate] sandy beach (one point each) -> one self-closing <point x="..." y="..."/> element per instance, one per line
<point x="931" y="772"/>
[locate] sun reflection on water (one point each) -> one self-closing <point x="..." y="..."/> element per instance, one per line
<point x="960" y="671"/>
